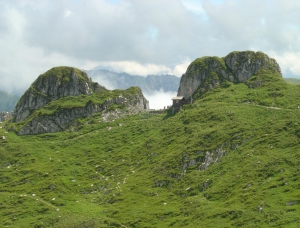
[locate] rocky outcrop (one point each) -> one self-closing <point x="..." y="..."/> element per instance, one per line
<point x="62" y="95"/>
<point x="204" y="159"/>
<point x="63" y="118"/>
<point x="5" y="115"/>
<point x="52" y="85"/>
<point x="236" y="67"/>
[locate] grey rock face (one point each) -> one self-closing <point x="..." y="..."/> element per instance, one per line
<point x="54" y="84"/>
<point x="245" y="64"/>
<point x="236" y="67"/>
<point x="59" y="121"/>
<point x="5" y="115"/>
<point x="204" y="159"/>
<point x="68" y="82"/>
<point x="199" y="71"/>
<point x="63" y="118"/>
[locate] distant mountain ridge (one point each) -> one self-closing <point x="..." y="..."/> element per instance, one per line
<point x="7" y="101"/>
<point x="149" y="84"/>
<point x="295" y="81"/>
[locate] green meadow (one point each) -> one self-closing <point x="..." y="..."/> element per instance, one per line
<point x="143" y="170"/>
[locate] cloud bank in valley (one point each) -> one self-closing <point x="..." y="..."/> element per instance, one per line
<point x="140" y="37"/>
<point x="160" y="99"/>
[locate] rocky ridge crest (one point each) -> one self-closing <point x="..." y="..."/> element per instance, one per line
<point x="55" y="83"/>
<point x="236" y="67"/>
<point x="63" y="94"/>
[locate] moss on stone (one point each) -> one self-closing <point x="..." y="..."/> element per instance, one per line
<point x="64" y="73"/>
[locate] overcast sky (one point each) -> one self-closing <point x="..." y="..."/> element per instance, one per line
<point x="140" y="36"/>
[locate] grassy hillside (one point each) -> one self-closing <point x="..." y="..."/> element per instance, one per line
<point x="143" y="170"/>
<point x="7" y="101"/>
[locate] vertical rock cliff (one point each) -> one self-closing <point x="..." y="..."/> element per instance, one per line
<point x="63" y="94"/>
<point x="56" y="83"/>
<point x="236" y="67"/>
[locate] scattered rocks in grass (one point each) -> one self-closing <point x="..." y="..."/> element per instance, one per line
<point x="51" y="187"/>
<point x="248" y="186"/>
<point x="206" y="184"/>
<point x="292" y="202"/>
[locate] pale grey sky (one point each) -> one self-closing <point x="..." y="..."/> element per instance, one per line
<point x="140" y="36"/>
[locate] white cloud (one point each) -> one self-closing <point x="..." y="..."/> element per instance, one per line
<point x="160" y="99"/>
<point x="135" y="68"/>
<point x="180" y="68"/>
<point x="194" y="6"/>
<point x="67" y="13"/>
<point x="140" y="37"/>
<point x="289" y="63"/>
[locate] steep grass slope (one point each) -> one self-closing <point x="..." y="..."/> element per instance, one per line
<point x="146" y="170"/>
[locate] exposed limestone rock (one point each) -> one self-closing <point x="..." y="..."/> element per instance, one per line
<point x="204" y="159"/>
<point x="211" y="158"/>
<point x="59" y="121"/>
<point x="60" y="96"/>
<point x="236" y="67"/>
<point x="52" y="85"/>
<point x="64" y="117"/>
<point x="290" y="203"/>
<point x="133" y="106"/>
<point x="5" y="115"/>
